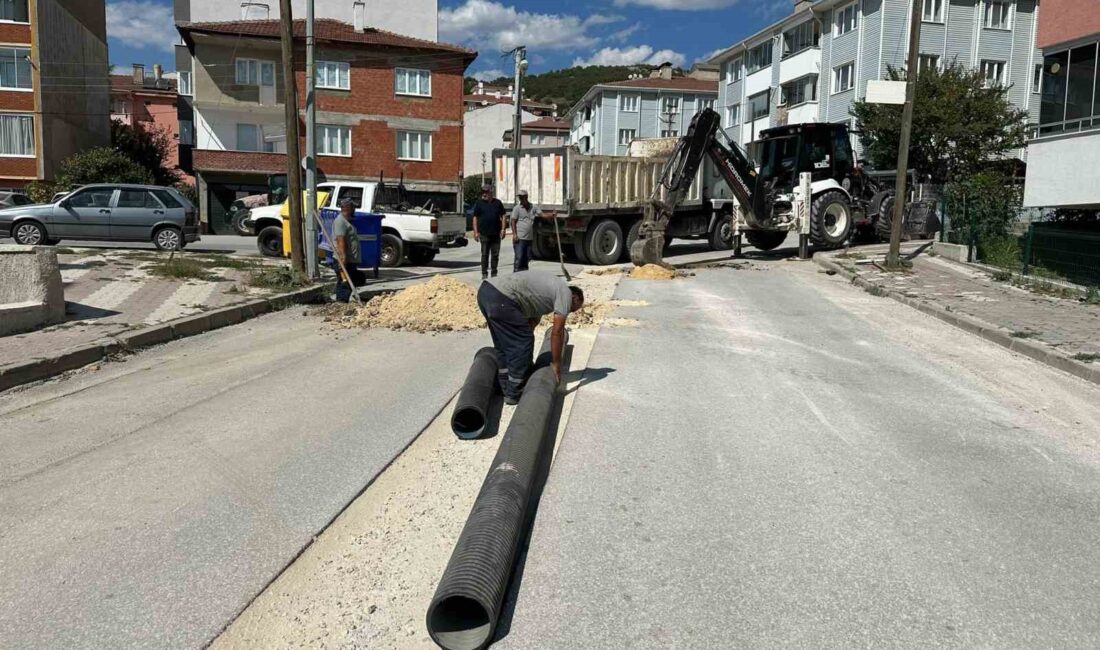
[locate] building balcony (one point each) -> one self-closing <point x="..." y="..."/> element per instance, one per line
<point x="804" y="63"/>
<point x="758" y="81"/>
<point x="214" y="160"/>
<point x="1061" y="170"/>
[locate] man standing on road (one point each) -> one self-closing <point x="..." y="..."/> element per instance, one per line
<point x="345" y="244"/>
<point x="523" y="230"/>
<point x="489" y="228"/>
<point x="513" y="306"/>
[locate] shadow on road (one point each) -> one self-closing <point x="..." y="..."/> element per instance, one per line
<point x="586" y="376"/>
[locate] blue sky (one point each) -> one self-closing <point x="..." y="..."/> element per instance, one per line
<point x="557" y="33"/>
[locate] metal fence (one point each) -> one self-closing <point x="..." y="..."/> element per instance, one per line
<point x="1069" y="252"/>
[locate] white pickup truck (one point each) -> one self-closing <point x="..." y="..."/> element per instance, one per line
<point x="413" y="234"/>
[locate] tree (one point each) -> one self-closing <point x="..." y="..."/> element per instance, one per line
<point x="565" y="87"/>
<point x="148" y="148"/>
<point x="471" y="189"/>
<point x="960" y="126"/>
<point x="101" y="165"/>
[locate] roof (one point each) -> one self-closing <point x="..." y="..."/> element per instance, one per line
<point x="546" y="124"/>
<point x="493" y="99"/>
<point x="675" y="83"/>
<point x="125" y="83"/>
<point x="324" y="30"/>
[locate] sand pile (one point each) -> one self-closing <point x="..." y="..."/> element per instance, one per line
<point x="653" y="272"/>
<point x="441" y="304"/>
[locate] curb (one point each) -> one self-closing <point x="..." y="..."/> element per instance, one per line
<point x="987" y="331"/>
<point x="23" y="372"/>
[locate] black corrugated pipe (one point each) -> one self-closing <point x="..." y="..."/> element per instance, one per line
<point x="472" y="410"/>
<point x="466" y="606"/>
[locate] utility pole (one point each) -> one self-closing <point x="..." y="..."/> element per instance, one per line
<point x="893" y="258"/>
<point x="520" y="54"/>
<point x="293" y="166"/>
<point x="311" y="148"/>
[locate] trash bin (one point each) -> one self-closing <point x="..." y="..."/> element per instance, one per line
<point x="369" y="227"/>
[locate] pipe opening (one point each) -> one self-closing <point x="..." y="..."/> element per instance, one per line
<point x="468" y="422"/>
<point x="459" y="623"/>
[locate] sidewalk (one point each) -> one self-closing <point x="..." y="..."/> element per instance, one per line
<point x="1027" y="322"/>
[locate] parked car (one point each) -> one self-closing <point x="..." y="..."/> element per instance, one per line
<point x="151" y="213"/>
<point x="10" y="199"/>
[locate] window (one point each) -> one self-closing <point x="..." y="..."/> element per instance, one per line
<point x="538" y="139"/>
<point x="137" y="199"/>
<point x="735" y="69"/>
<point x="95" y="198"/>
<point x="998" y="14"/>
<point x="1079" y="83"/>
<point x="994" y="73"/>
<point x="334" y="74"/>
<point x="758" y="105"/>
<point x="800" y="91"/>
<point x="250" y="137"/>
<point x="626" y="136"/>
<point x="413" y="82"/>
<point x="349" y="192"/>
<point x="1052" y="107"/>
<point x="760" y="56"/>
<point x="187" y="132"/>
<point x="844" y="77"/>
<point x="705" y="104"/>
<point x="247" y="72"/>
<point x="928" y="63"/>
<point x="185" y="83"/>
<point x="800" y="38"/>
<point x="14" y="11"/>
<point x="167" y="199"/>
<point x="670" y="133"/>
<point x="933" y="11"/>
<point x="733" y="115"/>
<point x="670" y="105"/>
<point x="1037" y="79"/>
<point x="17" y="135"/>
<point x="414" y="145"/>
<point x="628" y="103"/>
<point x="15" y="68"/>
<point x="333" y="140"/>
<point x="845" y="19"/>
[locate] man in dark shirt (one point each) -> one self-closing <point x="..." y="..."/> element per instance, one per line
<point x="490" y="227"/>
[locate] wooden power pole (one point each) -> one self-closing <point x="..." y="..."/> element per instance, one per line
<point x="893" y="258"/>
<point x="293" y="157"/>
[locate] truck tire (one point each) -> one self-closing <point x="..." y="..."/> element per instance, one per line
<point x="604" y="242"/>
<point x="885" y="219"/>
<point x="579" y="251"/>
<point x="830" y="220"/>
<point x="270" y="241"/>
<point x="631" y="237"/>
<point x="765" y="240"/>
<point x="541" y="247"/>
<point x="393" y="251"/>
<point x="720" y="237"/>
<point x="421" y="255"/>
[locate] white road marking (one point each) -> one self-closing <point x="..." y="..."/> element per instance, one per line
<point x="188" y="299"/>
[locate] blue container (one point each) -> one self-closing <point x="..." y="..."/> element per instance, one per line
<point x="369" y="227"/>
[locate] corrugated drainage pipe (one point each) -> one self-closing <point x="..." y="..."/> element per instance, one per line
<point x="464" y="611"/>
<point x="472" y="409"/>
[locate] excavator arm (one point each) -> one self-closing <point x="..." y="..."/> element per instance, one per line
<point x="700" y="140"/>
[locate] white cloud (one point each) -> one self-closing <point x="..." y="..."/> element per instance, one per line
<point x="624" y="33"/>
<point x="485" y="21"/>
<point x="632" y="56"/>
<point x="488" y="75"/>
<point x="681" y="5"/>
<point x="706" y="57"/>
<point x="142" y="23"/>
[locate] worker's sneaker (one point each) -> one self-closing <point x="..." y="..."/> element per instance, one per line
<point x="511" y="401"/>
<point x="484" y="277"/>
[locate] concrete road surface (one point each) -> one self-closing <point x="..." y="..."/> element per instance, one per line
<point x="779" y="460"/>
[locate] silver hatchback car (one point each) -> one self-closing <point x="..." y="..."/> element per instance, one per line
<point x="114" y="212"/>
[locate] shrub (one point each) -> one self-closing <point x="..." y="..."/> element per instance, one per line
<point x="101" y="165"/>
<point x="983" y="205"/>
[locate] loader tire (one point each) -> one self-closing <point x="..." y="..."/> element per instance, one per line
<point x="885" y="219"/>
<point x="830" y="220"/>
<point x="764" y="240"/>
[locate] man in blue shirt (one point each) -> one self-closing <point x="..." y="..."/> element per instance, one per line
<point x="490" y="226"/>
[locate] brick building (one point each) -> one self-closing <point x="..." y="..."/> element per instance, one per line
<point x="149" y="103"/>
<point x="388" y="106"/>
<point x="53" y="85"/>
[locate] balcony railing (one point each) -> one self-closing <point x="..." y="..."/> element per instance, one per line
<point x="1067" y="127"/>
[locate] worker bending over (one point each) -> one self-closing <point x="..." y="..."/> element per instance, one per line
<point x="513" y="305"/>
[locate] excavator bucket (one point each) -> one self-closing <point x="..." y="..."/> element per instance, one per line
<point x="647" y="250"/>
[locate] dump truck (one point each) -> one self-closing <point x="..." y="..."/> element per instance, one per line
<point x="599" y="201"/>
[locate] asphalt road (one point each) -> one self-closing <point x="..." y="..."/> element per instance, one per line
<point x="774" y="459"/>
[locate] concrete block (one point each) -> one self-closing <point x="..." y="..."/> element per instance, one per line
<point x="954" y="252"/>
<point x="143" y="338"/>
<point x="190" y="325"/>
<point x="16" y="374"/>
<point x="255" y="308"/>
<point x="31" y="294"/>
<point x="225" y="316"/>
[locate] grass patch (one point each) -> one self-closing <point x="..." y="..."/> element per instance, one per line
<point x="180" y="268"/>
<point x="64" y="251"/>
<point x="1002" y="276"/>
<point x="1092" y="295"/>
<point x="1087" y="357"/>
<point x="227" y="262"/>
<point x="851" y="255"/>
<point x="1003" y="253"/>
<point x="1023" y="334"/>
<point x="277" y="278"/>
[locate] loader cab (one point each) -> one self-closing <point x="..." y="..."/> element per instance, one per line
<point x="824" y="150"/>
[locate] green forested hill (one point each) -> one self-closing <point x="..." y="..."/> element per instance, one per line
<point x="565" y="87"/>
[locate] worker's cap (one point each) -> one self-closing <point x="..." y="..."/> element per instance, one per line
<point x="347" y="202"/>
<point x="521" y="193"/>
<point x="486" y="188"/>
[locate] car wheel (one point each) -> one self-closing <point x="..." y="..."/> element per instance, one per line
<point x="270" y="241"/>
<point x="830" y="220"/>
<point x="29" y="233"/>
<point x="239" y="225"/>
<point x="604" y="242"/>
<point x="421" y="255"/>
<point x="765" y="240"/>
<point x="168" y="238"/>
<point x="393" y="250"/>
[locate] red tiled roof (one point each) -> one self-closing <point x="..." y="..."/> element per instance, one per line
<point x="325" y="29"/>
<point x="125" y="83"/>
<point x="546" y="124"/>
<point x="493" y="99"/>
<point x="676" y="83"/>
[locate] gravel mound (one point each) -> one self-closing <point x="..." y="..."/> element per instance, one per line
<point x="441" y="304"/>
<point x="653" y="272"/>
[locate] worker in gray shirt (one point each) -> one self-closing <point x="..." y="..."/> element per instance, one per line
<point x="523" y="230"/>
<point x="513" y="305"/>
<point x="346" y="249"/>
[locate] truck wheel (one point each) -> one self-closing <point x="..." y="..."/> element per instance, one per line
<point x="604" y="242"/>
<point x="579" y="251"/>
<point x="830" y="220"/>
<point x="422" y="255"/>
<point x="631" y="237"/>
<point x="720" y="237"/>
<point x="764" y="240"/>
<point x="393" y="250"/>
<point x="270" y="241"/>
<point x="541" y="247"/>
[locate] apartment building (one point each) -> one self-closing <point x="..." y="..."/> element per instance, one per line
<point x="542" y="133"/>
<point x="54" y="98"/>
<point x="388" y="107"/>
<point x="490" y="112"/>
<point x="416" y="18"/>
<point x="813" y="64"/>
<point x="148" y="102"/>
<point x="1064" y="149"/>
<point x="610" y="116"/>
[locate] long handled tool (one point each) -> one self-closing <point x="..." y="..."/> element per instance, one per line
<point x="340" y="262"/>
<point x="561" y="255"/>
